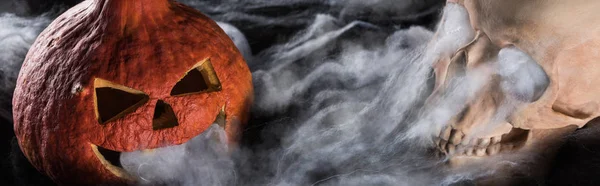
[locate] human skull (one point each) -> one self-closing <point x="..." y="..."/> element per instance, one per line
<point x="561" y="37"/>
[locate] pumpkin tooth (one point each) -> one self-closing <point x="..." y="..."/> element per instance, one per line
<point x="221" y="117"/>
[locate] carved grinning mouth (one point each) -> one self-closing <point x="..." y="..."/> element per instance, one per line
<point x="111" y="159"/>
<point x="453" y="142"/>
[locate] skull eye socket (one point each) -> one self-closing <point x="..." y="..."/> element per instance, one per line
<point x="522" y="77"/>
<point x="200" y="79"/>
<point x="113" y="101"/>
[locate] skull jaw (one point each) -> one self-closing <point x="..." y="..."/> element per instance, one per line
<point x="453" y="142"/>
<point x="513" y="142"/>
<point x="528" y="162"/>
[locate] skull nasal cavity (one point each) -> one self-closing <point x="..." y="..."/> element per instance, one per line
<point x="164" y="117"/>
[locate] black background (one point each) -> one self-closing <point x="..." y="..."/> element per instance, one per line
<point x="577" y="163"/>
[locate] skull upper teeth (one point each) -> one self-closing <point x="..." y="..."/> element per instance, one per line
<point x="453" y="142"/>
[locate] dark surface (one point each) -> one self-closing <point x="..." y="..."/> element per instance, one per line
<point x="12" y="161"/>
<point x="266" y="24"/>
<point x="18" y="170"/>
<point x="33" y="7"/>
<point x="578" y="161"/>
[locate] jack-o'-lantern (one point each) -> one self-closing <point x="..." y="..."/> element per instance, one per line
<point x="111" y="76"/>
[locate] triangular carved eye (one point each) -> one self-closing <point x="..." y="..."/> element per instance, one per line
<point x="200" y="79"/>
<point x="114" y="101"/>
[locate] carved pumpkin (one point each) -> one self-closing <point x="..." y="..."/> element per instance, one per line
<point x="111" y="76"/>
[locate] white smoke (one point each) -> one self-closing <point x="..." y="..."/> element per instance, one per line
<point x="203" y="160"/>
<point x="522" y="81"/>
<point x="358" y="113"/>
<point x="523" y="78"/>
<point x="453" y="32"/>
<point x="16" y="36"/>
<point x="238" y="39"/>
<point x="351" y="107"/>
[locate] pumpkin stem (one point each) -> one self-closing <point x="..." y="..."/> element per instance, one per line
<point x="130" y="15"/>
<point x="137" y="5"/>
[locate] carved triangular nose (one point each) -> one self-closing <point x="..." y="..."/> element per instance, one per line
<point x="164" y="117"/>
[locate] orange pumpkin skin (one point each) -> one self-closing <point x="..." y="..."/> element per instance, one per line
<point x="146" y="45"/>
